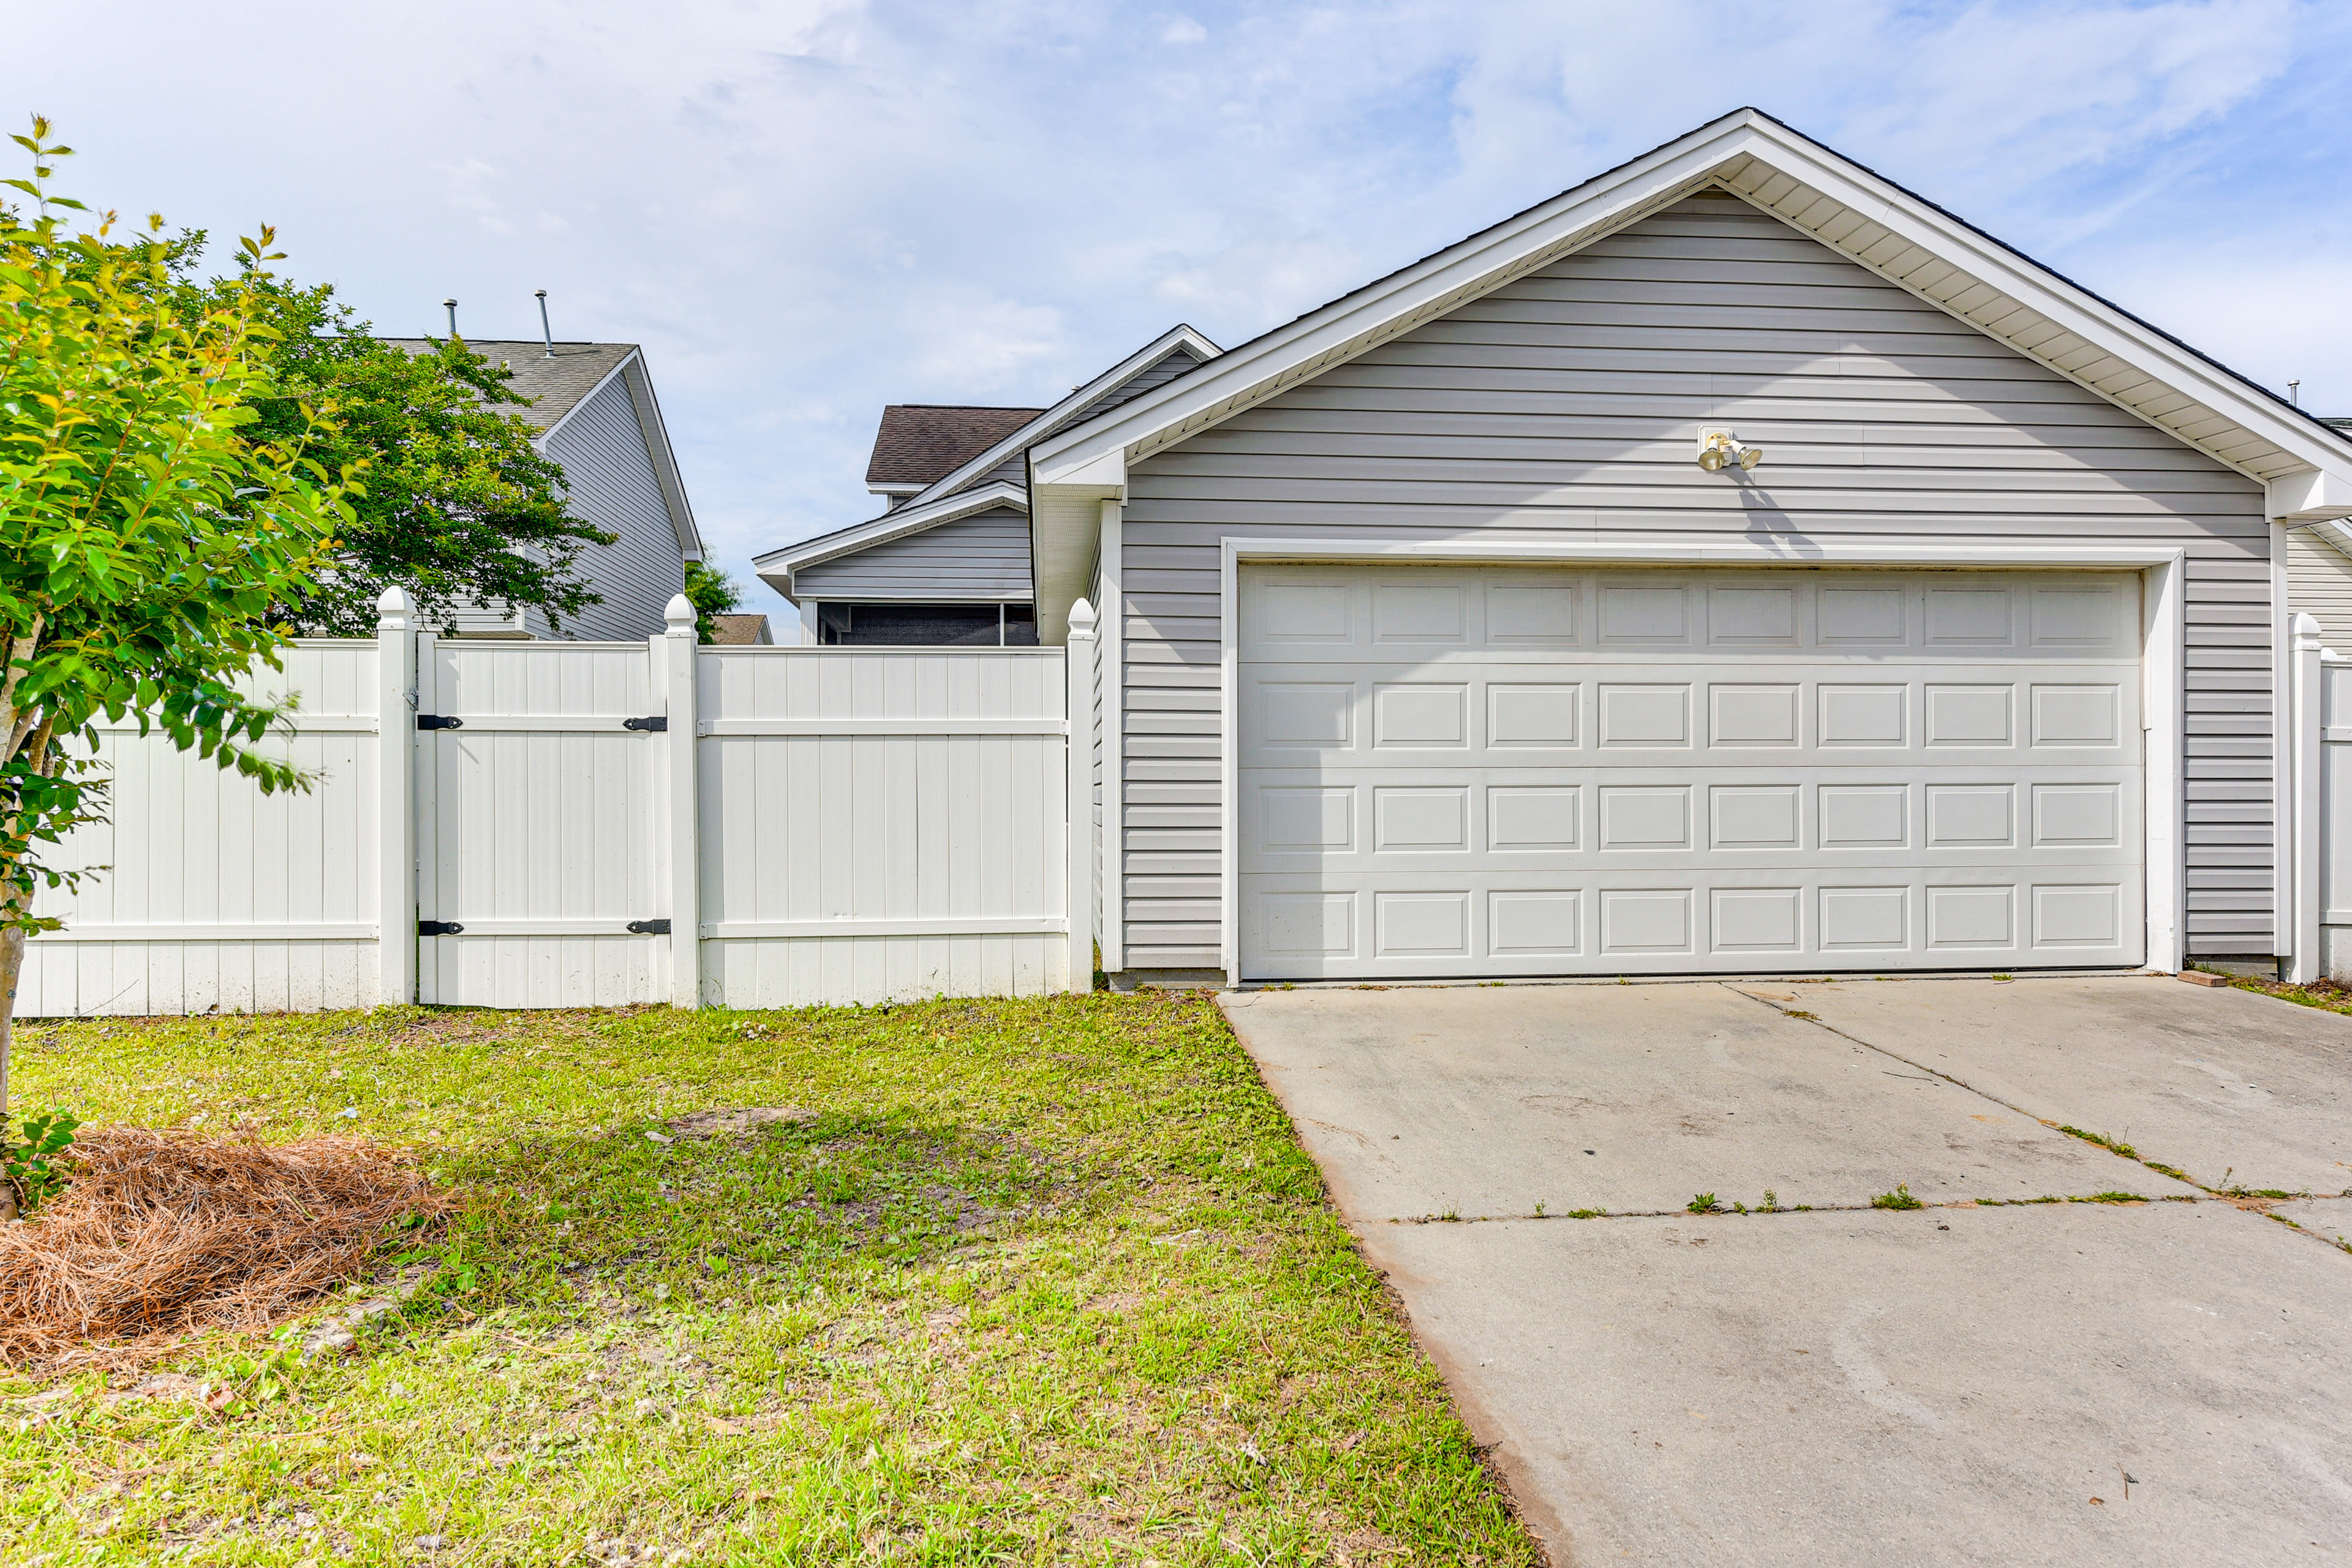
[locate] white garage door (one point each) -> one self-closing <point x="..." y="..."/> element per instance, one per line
<point x="1520" y="771"/>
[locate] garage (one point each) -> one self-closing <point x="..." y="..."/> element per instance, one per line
<point x="1473" y="771"/>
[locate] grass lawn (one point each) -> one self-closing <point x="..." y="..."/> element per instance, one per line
<point x="1042" y="1281"/>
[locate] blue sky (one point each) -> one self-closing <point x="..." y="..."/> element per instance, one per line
<point x="805" y="209"/>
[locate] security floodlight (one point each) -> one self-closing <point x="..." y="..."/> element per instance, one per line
<point x="1719" y="447"/>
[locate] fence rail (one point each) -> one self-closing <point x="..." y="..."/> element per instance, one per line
<point x="548" y="823"/>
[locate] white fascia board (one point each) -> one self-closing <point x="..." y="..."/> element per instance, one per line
<point x="1054" y="418"/>
<point x="654" y="433"/>
<point x="2315" y="495"/>
<point x="1350" y="325"/>
<point x="2003" y="271"/>
<point x="776" y="567"/>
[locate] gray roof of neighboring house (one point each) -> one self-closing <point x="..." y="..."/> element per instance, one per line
<point x="555" y="387"/>
<point x="920" y="443"/>
<point x="738" y="630"/>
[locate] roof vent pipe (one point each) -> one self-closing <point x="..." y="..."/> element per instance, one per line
<point x="2294" y="393"/>
<point x="451" y="306"/>
<point x="545" y="331"/>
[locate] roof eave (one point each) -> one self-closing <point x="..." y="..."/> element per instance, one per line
<point x="777" y="566"/>
<point x="1180" y="336"/>
<point x="655" y="432"/>
<point x="1779" y="170"/>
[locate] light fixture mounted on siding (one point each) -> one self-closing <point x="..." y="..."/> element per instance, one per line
<point x="1719" y="447"/>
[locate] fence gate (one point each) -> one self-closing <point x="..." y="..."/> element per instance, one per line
<point x="539" y="862"/>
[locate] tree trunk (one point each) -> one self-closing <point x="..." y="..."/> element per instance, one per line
<point x="12" y="964"/>
<point x="12" y="961"/>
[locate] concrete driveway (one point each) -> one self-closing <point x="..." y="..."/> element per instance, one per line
<point x="1991" y="1378"/>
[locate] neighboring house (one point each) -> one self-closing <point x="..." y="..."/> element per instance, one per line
<point x="1432" y="648"/>
<point x="740" y="631"/>
<point x="947" y="563"/>
<point x="593" y="407"/>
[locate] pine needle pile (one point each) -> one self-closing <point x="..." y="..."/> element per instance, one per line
<point x="160" y="1236"/>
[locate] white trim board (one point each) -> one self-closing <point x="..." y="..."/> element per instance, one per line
<point x="1063" y="412"/>
<point x="2162" y="568"/>
<point x="654" y="433"/>
<point x="2305" y="466"/>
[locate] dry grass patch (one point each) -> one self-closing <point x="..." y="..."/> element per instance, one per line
<point x="160" y="1236"/>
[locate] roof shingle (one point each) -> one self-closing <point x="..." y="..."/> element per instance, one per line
<point x="555" y="387"/>
<point x="922" y="442"/>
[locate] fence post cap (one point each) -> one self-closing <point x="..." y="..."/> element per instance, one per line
<point x="1082" y="619"/>
<point x="393" y="607"/>
<point x="2304" y="629"/>
<point x="679" y="615"/>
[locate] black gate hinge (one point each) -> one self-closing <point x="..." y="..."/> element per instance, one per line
<point x="438" y="928"/>
<point x="649" y="928"/>
<point x="439" y="722"/>
<point x="657" y="725"/>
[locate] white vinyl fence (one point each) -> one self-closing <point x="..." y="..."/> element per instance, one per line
<point x="2320" y="689"/>
<point x="550" y="823"/>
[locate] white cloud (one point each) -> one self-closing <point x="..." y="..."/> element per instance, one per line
<point x="807" y="208"/>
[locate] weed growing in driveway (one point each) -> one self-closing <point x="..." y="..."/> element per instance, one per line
<point x="2109" y="1198"/>
<point x="1900" y="1198"/>
<point x="1026" y="1281"/>
<point x="1702" y="1203"/>
<point x="2115" y="1144"/>
<point x="2326" y="995"/>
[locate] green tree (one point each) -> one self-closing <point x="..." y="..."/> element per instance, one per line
<point x="460" y="508"/>
<point x="712" y="593"/>
<point x="150" y="526"/>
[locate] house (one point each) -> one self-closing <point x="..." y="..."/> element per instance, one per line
<point x="948" y="561"/>
<point x="1450" y="631"/>
<point x="593" y="407"/>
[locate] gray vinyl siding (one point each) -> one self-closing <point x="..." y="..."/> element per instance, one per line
<point x="1566" y="405"/>
<point x="610" y="473"/>
<point x="983" y="556"/>
<point x="2319" y="585"/>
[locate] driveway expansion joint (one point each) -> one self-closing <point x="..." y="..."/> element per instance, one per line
<point x="2112" y="1200"/>
<point x="2121" y="1151"/>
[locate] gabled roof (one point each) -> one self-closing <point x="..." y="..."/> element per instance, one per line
<point x="558" y="383"/>
<point x="1911" y="242"/>
<point x="777" y="566"/>
<point x="966" y="488"/>
<point x="1179" y="339"/>
<point x="921" y="443"/>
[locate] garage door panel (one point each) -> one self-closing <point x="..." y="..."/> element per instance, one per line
<point x="1619" y="709"/>
<point x="1293" y="819"/>
<point x="1534" y="923"/>
<point x="1495" y="771"/>
<point x="2010" y="616"/>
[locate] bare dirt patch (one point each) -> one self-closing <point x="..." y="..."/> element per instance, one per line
<point x="741" y="1121"/>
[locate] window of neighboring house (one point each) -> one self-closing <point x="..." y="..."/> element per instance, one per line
<point x="927" y="625"/>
